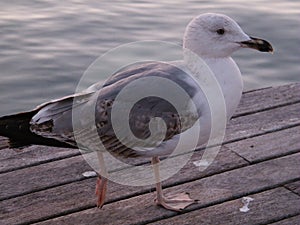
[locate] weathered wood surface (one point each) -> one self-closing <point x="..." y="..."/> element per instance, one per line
<point x="266" y="207"/>
<point x="260" y="157"/>
<point x="294" y="187"/>
<point x="295" y="220"/>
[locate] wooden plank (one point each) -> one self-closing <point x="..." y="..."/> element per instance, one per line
<point x="52" y="201"/>
<point x="59" y="198"/>
<point x="268" y="206"/>
<point x="294" y="187"/>
<point x="263" y="122"/>
<point x="269" y="146"/>
<point x="251" y="102"/>
<point x="42" y="176"/>
<point x="13" y="159"/>
<point x="3" y="142"/>
<point x="295" y="220"/>
<point x="267" y="98"/>
<point x="140" y="209"/>
<point x="239" y="128"/>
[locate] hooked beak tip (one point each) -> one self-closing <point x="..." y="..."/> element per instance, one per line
<point x="258" y="44"/>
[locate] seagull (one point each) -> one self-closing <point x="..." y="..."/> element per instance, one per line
<point x="212" y="37"/>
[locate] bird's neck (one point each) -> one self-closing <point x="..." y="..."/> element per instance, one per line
<point x="225" y="71"/>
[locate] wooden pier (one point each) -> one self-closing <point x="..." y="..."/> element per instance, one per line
<point x="260" y="158"/>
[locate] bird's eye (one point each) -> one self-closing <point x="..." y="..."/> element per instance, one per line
<point x="221" y="31"/>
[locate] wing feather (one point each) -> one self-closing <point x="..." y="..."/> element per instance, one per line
<point x="54" y="119"/>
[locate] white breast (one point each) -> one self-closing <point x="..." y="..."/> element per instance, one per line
<point x="230" y="80"/>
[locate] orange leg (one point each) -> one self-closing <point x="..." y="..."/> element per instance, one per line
<point x="177" y="202"/>
<point x="101" y="187"/>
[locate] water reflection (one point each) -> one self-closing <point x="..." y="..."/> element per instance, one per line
<point x="47" y="45"/>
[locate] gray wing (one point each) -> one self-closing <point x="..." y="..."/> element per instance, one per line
<point x="54" y="119"/>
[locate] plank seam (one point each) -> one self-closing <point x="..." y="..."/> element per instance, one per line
<point x="291" y="190"/>
<point x="288" y="217"/>
<point x="271" y="221"/>
<point x="291" y="152"/>
<point x="259" y="89"/>
<point x="237" y="154"/>
<point x="41" y="162"/>
<point x="264" y="109"/>
<point x="41" y="189"/>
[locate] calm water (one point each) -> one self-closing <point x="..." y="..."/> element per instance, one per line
<point x="45" y="46"/>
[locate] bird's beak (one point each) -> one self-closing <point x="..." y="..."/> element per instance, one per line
<point x="258" y="44"/>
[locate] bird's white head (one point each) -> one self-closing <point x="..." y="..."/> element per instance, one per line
<point x="213" y="35"/>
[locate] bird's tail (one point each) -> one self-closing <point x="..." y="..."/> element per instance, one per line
<point x="16" y="130"/>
